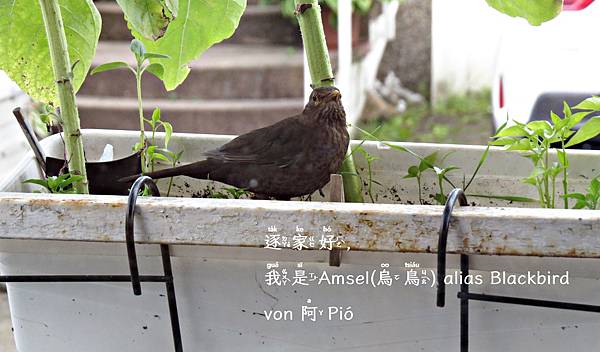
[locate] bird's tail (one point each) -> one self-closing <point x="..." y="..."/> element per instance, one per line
<point x="199" y="169"/>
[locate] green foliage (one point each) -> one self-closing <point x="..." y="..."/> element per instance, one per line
<point x="58" y="184"/>
<point x="588" y="200"/>
<point x="416" y="171"/>
<point x="370" y="181"/>
<point x="141" y="58"/>
<point x="149" y="18"/>
<point x="430" y="162"/>
<point x="198" y="25"/>
<point x="24" y="44"/>
<point x="155" y="154"/>
<point x="535" y="140"/>
<point x="151" y="154"/>
<point x="535" y="12"/>
<point x="229" y="193"/>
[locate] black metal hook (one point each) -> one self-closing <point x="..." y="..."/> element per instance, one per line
<point x="129" y="222"/>
<point x="457" y="194"/>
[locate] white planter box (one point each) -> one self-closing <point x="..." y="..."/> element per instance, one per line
<point x="219" y="269"/>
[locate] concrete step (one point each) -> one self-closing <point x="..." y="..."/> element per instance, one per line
<point x="203" y="116"/>
<point x="225" y="71"/>
<point x="260" y="24"/>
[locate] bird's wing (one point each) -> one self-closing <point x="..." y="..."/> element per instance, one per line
<point x="279" y="145"/>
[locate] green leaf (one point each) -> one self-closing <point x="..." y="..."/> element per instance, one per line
<point x="562" y="158"/>
<point x="522" y="144"/>
<point x="566" y="110"/>
<point x="150" y="18"/>
<point x="161" y="157"/>
<point x="594" y="187"/>
<point x="512" y="131"/>
<point x="535" y="12"/>
<point x="576" y="118"/>
<point x="39" y="182"/>
<point x="109" y="66"/>
<point x="448" y="169"/>
<point x="24" y="45"/>
<point x="156" y="56"/>
<point x="555" y="169"/>
<point x="588" y="130"/>
<point x="428" y="161"/>
<point x="577" y="196"/>
<point x="199" y="25"/>
<point x="413" y="171"/>
<point x="555" y="118"/>
<point x="592" y="103"/>
<point x="479" y="165"/>
<point x="539" y="127"/>
<point x="70" y="180"/>
<point x="168" y="132"/>
<point x="138" y="49"/>
<point x="156" y="115"/>
<point x="440" y="198"/>
<point x="503" y="141"/>
<point x="155" y="69"/>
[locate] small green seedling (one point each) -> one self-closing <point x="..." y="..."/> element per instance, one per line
<point x="536" y="139"/>
<point x="370" y="181"/>
<point x="151" y="154"/>
<point x="58" y="184"/>
<point x="416" y="171"/>
<point x="588" y="200"/>
<point x="142" y="65"/>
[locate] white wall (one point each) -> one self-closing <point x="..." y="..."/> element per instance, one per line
<point x="465" y="39"/>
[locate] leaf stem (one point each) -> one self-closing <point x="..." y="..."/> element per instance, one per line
<point x="63" y="74"/>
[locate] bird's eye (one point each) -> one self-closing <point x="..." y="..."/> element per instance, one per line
<point x="314" y="98"/>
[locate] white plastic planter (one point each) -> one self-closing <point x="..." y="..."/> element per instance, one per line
<point x="219" y="267"/>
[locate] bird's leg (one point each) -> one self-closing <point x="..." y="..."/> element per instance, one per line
<point x="321" y="192"/>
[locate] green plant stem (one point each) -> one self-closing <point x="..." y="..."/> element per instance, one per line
<point x="546" y="175"/>
<point x="441" y="183"/>
<point x="63" y="74"/>
<point x="138" y="81"/>
<point x="321" y="75"/>
<point x="420" y="191"/>
<point x="565" y="180"/>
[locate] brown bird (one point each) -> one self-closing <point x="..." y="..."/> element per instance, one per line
<point x="291" y="158"/>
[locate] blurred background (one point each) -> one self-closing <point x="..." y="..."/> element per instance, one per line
<point x="419" y="70"/>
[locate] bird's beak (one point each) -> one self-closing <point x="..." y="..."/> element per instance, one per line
<point x="336" y="95"/>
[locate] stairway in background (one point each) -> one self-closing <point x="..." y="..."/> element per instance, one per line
<point x="248" y="81"/>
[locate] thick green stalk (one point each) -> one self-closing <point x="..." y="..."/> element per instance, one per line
<point x="63" y="74"/>
<point x="308" y="13"/>
<point x="138" y="81"/>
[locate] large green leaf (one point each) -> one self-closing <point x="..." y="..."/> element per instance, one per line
<point x="535" y="12"/>
<point x="589" y="130"/>
<point x="24" y="45"/>
<point x="199" y="25"/>
<point x="149" y="18"/>
<point x="591" y="103"/>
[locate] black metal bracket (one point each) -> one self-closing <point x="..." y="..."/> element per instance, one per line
<point x="456" y="195"/>
<point x="464" y="295"/>
<point x="135" y="278"/>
